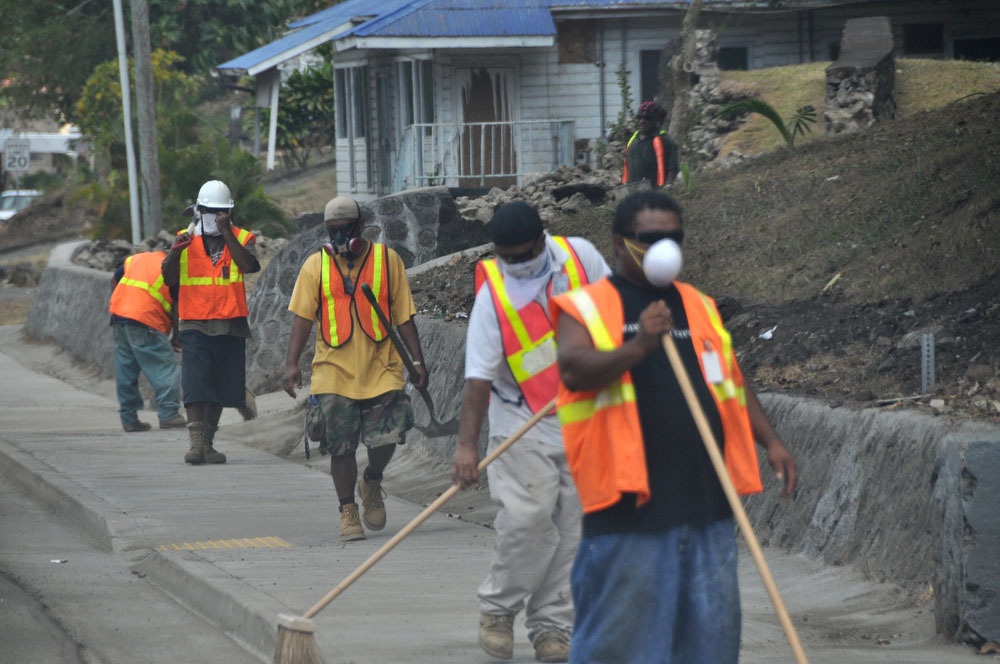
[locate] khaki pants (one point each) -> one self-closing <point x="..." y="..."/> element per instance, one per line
<point x="537" y="533"/>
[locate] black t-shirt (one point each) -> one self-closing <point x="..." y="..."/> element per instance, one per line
<point x="683" y="485"/>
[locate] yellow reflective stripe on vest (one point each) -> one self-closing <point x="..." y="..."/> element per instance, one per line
<point x="527" y="345"/>
<point x="570" y="266"/>
<point x="516" y="324"/>
<point x="235" y="275"/>
<point x="377" y="286"/>
<point x="727" y="389"/>
<point x="592" y="319"/>
<point x="331" y="313"/>
<point x="154" y="290"/>
<point x="616" y="394"/>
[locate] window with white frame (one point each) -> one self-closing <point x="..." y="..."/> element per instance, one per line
<point x="350" y="90"/>
<point x="416" y="94"/>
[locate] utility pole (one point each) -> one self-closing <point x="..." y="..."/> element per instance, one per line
<point x="149" y="156"/>
<point x="133" y="179"/>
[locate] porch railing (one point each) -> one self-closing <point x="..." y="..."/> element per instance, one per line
<point x="481" y="154"/>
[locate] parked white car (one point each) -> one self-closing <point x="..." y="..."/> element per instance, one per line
<point x="13" y="200"/>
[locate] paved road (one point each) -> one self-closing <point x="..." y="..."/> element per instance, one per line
<point x="239" y="543"/>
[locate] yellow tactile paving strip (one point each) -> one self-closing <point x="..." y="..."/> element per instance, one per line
<point x="247" y="543"/>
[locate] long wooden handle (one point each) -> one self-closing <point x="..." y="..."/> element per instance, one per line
<point x="732" y="496"/>
<point x="423" y="516"/>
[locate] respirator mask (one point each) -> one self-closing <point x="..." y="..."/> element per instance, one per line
<point x="341" y="241"/>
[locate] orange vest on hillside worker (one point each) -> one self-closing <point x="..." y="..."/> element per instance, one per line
<point x="528" y="339"/>
<point x="335" y="303"/>
<point x="212" y="292"/>
<point x="661" y="164"/>
<point x="141" y="294"/>
<point x="601" y="430"/>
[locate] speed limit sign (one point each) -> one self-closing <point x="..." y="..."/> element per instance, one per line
<point x="16" y="155"/>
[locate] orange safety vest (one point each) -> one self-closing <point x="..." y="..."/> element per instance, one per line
<point x="141" y="294"/>
<point x="528" y="339"/>
<point x="212" y="292"/>
<point x="601" y="430"/>
<point x="335" y="303"/>
<point x="661" y="168"/>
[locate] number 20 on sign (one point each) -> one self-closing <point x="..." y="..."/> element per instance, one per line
<point x="16" y="155"/>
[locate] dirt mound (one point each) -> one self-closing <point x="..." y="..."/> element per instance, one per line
<point x="850" y="248"/>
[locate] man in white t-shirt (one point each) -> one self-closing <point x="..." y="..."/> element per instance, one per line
<point x="510" y="370"/>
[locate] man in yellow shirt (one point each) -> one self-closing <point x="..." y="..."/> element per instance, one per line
<point x="357" y="374"/>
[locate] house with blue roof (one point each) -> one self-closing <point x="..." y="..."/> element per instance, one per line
<point x="485" y="93"/>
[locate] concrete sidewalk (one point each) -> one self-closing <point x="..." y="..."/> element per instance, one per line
<point x="242" y="542"/>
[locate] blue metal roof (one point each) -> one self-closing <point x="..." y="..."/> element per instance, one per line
<point x="463" y="18"/>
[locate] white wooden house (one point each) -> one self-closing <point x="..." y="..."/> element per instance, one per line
<point x="482" y="93"/>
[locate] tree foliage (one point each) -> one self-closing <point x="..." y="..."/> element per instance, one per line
<point x="306" y="120"/>
<point x="49" y="49"/>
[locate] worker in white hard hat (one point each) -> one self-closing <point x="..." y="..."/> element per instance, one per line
<point x="208" y="261"/>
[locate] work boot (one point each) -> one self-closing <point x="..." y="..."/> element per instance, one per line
<point x="552" y="646"/>
<point x="496" y="635"/>
<point x="196" y="433"/>
<point x="176" y="422"/>
<point x="211" y="454"/>
<point x="135" y="427"/>
<point x="372" y="502"/>
<point x="350" y="523"/>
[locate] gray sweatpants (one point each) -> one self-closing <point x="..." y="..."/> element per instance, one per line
<point x="537" y="533"/>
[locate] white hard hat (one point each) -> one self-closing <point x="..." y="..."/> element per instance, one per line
<point x="215" y="194"/>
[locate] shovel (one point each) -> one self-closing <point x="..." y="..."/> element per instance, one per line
<point x="435" y="429"/>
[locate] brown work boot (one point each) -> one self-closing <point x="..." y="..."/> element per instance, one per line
<point x="211" y="454"/>
<point x="176" y="422"/>
<point x="135" y="427"/>
<point x="372" y="502"/>
<point x="496" y="635"/>
<point x="552" y="646"/>
<point x="350" y="524"/>
<point x="196" y="434"/>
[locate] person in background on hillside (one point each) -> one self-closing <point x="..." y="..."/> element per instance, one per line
<point x="655" y="576"/>
<point x="144" y="324"/>
<point x="357" y="374"/>
<point x="510" y="368"/>
<point x="650" y="154"/>
<point x="208" y="262"/>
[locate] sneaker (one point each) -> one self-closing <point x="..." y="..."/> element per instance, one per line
<point x="373" y="503"/>
<point x="350" y="524"/>
<point x="496" y="635"/>
<point x="133" y="427"/>
<point x="552" y="646"/>
<point x="176" y="422"/>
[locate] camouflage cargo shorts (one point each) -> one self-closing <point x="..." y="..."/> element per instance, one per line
<point x="381" y="420"/>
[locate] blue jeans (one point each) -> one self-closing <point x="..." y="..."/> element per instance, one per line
<point x="143" y="349"/>
<point x="669" y="597"/>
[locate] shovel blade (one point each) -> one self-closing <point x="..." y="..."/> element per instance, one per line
<point x="438" y="429"/>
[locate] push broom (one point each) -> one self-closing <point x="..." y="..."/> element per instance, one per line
<point x="296" y="641"/>
<point x="733" y="497"/>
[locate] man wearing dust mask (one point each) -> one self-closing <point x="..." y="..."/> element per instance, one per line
<point x="208" y="261"/>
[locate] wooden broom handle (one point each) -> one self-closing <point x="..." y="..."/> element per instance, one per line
<point x="732" y="496"/>
<point x="423" y="516"/>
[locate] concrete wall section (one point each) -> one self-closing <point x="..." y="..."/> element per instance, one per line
<point x="70" y="310"/>
<point x="967" y="538"/>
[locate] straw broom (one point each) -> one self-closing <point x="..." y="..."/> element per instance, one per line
<point x="296" y="642"/>
<point x="712" y="447"/>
